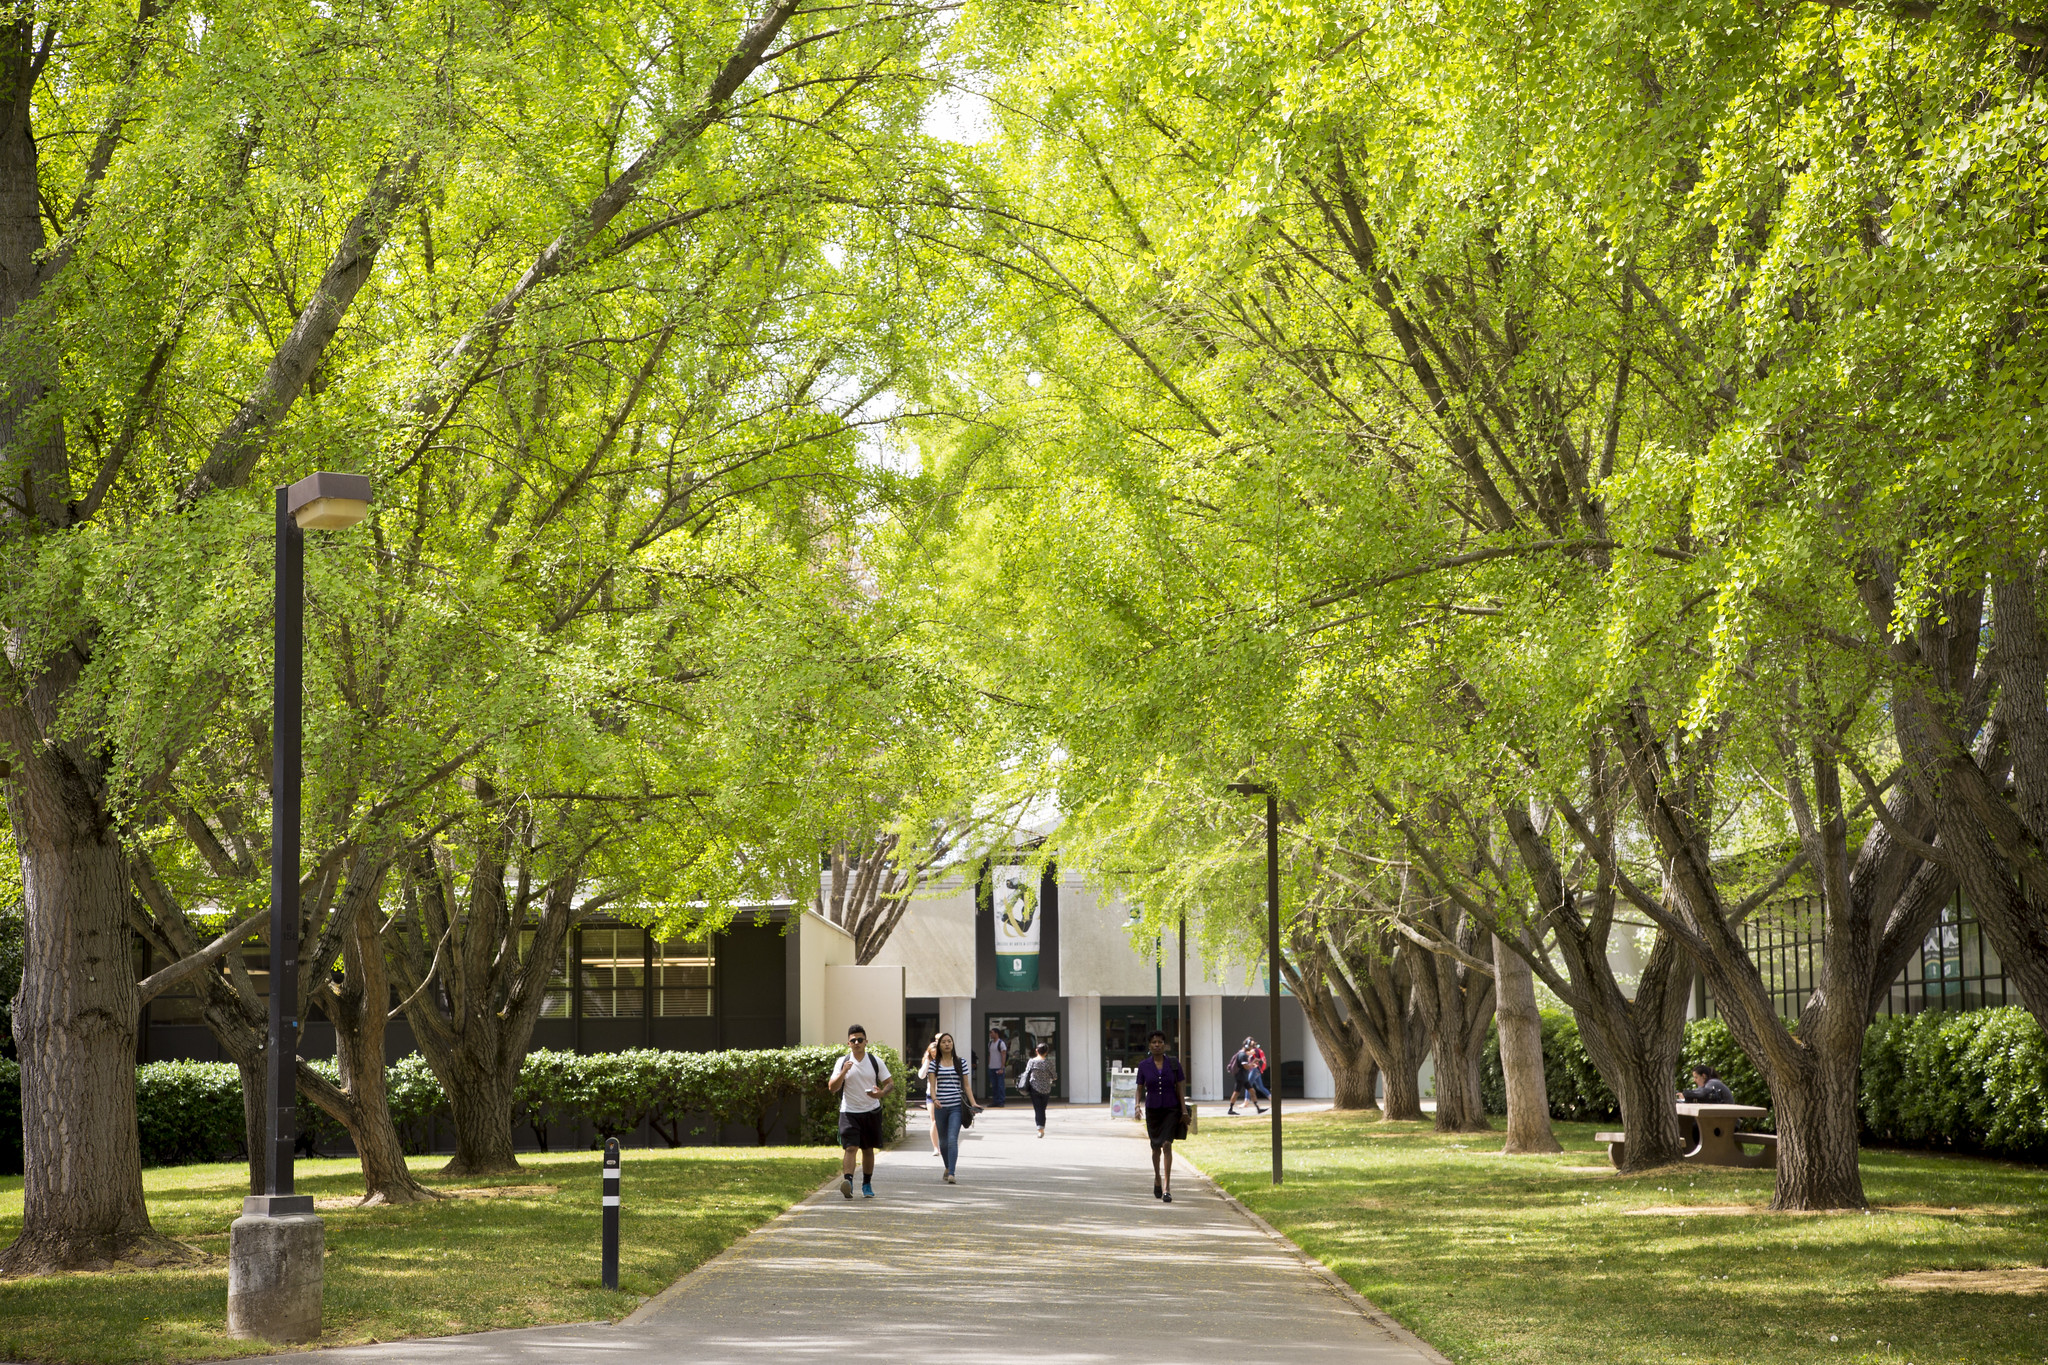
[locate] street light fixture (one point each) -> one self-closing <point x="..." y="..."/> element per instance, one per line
<point x="275" y="1247"/>
<point x="1272" y="948"/>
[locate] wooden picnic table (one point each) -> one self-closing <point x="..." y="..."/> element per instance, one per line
<point x="1714" y="1141"/>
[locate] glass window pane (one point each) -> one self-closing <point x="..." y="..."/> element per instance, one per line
<point x="682" y="978"/>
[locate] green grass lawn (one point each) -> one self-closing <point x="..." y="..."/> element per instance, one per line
<point x="1493" y="1258"/>
<point x="517" y="1259"/>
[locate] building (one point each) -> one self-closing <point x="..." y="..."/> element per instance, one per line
<point x="780" y="975"/>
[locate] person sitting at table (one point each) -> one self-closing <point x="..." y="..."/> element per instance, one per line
<point x="1708" y="1087"/>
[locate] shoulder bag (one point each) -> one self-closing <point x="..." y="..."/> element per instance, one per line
<point x="966" y="1095"/>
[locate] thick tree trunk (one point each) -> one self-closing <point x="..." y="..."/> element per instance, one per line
<point x="1521" y="1055"/>
<point x="1404" y="1094"/>
<point x="481" y="1098"/>
<point x="1818" y="1137"/>
<point x="1357" y="1078"/>
<point x="74" y="1030"/>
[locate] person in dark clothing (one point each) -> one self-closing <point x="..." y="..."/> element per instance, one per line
<point x="1164" y="1087"/>
<point x="1708" y="1087"/>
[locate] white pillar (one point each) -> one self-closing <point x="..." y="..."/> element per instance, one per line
<point x="1317" y="1081"/>
<point x="1205" y="1067"/>
<point x="1084" y="1049"/>
<point x="956" y="1016"/>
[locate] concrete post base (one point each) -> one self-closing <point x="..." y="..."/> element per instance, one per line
<point x="274" y="1273"/>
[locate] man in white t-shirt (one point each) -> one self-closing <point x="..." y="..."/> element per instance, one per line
<point x="860" y="1080"/>
<point x="998" y="1066"/>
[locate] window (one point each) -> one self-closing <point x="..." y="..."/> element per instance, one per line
<point x="613" y="972"/>
<point x="682" y="978"/>
<point x="554" y="1001"/>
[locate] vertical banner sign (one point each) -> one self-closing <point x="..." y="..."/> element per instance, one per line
<point x="1016" y="928"/>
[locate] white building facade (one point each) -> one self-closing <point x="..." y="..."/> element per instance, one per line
<point x="1097" y="996"/>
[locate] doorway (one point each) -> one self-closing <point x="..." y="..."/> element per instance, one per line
<point x="918" y="1031"/>
<point x="1023" y="1033"/>
<point x="1125" y="1029"/>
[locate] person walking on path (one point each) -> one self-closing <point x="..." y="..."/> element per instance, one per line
<point x="1164" y="1086"/>
<point x="931" y="1105"/>
<point x="1039" y="1079"/>
<point x="1244" y="1075"/>
<point x="952" y="1098"/>
<point x="998" y="1067"/>
<point x="860" y="1080"/>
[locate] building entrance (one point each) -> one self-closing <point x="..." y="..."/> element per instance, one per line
<point x="1125" y="1029"/>
<point x="918" y="1031"/>
<point x="1023" y="1033"/>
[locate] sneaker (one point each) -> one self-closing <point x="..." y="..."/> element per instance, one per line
<point x="846" y="1186"/>
<point x="1041" y="1132"/>
<point x="1168" y="1196"/>
<point x="1231" y="1112"/>
<point x="950" y="1180"/>
<point x="867" y="1191"/>
<point x="1262" y="1111"/>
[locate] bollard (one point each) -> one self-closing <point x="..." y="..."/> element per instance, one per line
<point x="611" y="1213"/>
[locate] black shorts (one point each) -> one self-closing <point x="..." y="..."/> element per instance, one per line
<point x="1160" y="1125"/>
<point x="860" y="1130"/>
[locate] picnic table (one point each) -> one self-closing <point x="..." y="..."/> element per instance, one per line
<point x="1714" y="1141"/>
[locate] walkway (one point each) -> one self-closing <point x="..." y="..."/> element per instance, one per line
<point x="1051" y="1250"/>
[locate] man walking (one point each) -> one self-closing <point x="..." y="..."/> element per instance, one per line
<point x="998" y="1066"/>
<point x="860" y="1080"/>
<point x="1164" y="1086"/>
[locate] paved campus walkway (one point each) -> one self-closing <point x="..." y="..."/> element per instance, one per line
<point x="1052" y="1252"/>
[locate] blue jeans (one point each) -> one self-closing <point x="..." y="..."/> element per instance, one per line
<point x="948" y="1119"/>
<point x="1255" y="1084"/>
<point x="996" y="1080"/>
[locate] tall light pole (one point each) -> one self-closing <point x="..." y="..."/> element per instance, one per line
<point x="275" y="1247"/>
<point x="1275" y="1068"/>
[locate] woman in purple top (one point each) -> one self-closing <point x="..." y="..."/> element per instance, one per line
<point x="1165" y="1088"/>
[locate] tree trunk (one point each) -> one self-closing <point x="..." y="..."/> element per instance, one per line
<point x="1404" y="1094"/>
<point x="481" y="1098"/>
<point x="1521" y="1055"/>
<point x="1358" y="1080"/>
<point x="1818" y="1137"/>
<point x="359" y="1009"/>
<point x="255" y="1106"/>
<point x="74" y="1030"/>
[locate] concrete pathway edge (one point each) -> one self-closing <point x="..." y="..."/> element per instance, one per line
<point x="675" y="1289"/>
<point x="1364" y="1306"/>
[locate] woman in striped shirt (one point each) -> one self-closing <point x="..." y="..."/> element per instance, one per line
<point x="952" y="1092"/>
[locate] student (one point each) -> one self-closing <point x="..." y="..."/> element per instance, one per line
<point x="952" y="1086"/>
<point x="860" y="1080"/>
<point x="931" y="1106"/>
<point x="1039" y="1079"/>
<point x="998" y="1066"/>
<point x="1247" y="1069"/>
<point x="1164" y="1087"/>
<point x="1708" y="1087"/>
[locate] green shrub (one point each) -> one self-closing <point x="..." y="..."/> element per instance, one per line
<point x="10" y="1117"/>
<point x="1971" y="1081"/>
<point x="189" y="1111"/>
<point x="1576" y="1091"/>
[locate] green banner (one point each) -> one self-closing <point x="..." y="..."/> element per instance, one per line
<point x="1016" y="906"/>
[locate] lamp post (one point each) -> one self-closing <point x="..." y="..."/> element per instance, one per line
<point x="275" y="1247"/>
<point x="1272" y="948"/>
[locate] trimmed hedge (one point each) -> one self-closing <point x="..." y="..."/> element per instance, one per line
<point x="1971" y="1081"/>
<point x="192" y="1111"/>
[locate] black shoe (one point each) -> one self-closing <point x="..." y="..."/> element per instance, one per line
<point x="1157" y="1193"/>
<point x="1168" y="1196"/>
<point x="1262" y="1111"/>
<point x="1231" y="1112"/>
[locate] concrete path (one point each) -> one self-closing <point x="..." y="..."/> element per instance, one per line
<point x="1050" y="1251"/>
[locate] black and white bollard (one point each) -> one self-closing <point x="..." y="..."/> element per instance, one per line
<point x="611" y="1213"/>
